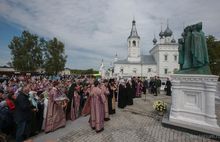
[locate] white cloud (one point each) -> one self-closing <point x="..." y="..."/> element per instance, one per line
<point x="96" y="29"/>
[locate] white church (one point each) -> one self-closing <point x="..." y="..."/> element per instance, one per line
<point x="162" y="61"/>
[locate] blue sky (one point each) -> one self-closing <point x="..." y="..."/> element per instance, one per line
<point x="93" y="30"/>
<point x="7" y="31"/>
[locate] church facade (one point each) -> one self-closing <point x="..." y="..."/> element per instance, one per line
<point x="162" y="60"/>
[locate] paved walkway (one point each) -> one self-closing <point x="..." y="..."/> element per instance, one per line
<point x="137" y="123"/>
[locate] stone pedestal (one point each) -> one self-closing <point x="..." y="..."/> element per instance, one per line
<point x="217" y="95"/>
<point x="193" y="102"/>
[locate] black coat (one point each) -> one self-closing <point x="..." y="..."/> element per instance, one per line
<point x="22" y="108"/>
<point x="122" y="98"/>
<point x="168" y="87"/>
<point x="70" y="97"/>
<point x="129" y="94"/>
<point x="145" y="83"/>
<point x="133" y="88"/>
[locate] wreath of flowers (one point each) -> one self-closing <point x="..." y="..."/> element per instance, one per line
<point x="160" y="106"/>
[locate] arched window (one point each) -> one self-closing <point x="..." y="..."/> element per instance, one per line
<point x="134" y="43"/>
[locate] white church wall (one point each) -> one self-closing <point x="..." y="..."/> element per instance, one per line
<point x="168" y="59"/>
<point x="154" y="52"/>
<point x="149" y="70"/>
<point x="129" y="70"/>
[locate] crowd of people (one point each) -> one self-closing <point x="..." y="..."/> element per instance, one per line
<point x="32" y="104"/>
<point x="154" y="86"/>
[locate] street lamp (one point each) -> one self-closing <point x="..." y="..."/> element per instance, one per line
<point x="142" y="58"/>
<point x="141" y="70"/>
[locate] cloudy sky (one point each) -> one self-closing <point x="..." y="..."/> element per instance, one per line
<point x="93" y="30"/>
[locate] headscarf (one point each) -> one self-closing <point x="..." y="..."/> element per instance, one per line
<point x="32" y="98"/>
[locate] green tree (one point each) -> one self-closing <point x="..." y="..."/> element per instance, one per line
<point x="26" y="52"/>
<point x="214" y="54"/>
<point x="55" y="57"/>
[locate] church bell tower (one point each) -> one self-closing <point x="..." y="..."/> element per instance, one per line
<point x="133" y="45"/>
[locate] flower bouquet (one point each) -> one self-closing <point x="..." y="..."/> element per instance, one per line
<point x="160" y="106"/>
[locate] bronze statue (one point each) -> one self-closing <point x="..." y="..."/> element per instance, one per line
<point x="193" y="53"/>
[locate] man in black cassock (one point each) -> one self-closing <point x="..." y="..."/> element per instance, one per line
<point x="134" y="85"/>
<point x="145" y="86"/>
<point x="122" y="94"/>
<point x="168" y="87"/>
<point x="129" y="92"/>
<point x="111" y="101"/>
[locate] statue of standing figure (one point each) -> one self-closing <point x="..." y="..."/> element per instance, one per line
<point x="193" y="53"/>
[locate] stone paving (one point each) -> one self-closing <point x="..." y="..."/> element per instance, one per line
<point x="137" y="123"/>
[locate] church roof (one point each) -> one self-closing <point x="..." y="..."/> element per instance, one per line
<point x="146" y="60"/>
<point x="133" y="33"/>
<point x="168" y="32"/>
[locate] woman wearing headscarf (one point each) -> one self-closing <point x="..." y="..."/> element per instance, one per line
<point x="33" y="123"/>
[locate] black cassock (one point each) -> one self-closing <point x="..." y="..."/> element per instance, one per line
<point x="168" y="88"/>
<point x="133" y="88"/>
<point x="111" y="109"/>
<point x="71" y="102"/>
<point x="129" y="94"/>
<point x="122" y="96"/>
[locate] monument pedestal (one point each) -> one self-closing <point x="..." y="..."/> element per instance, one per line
<point x="193" y="103"/>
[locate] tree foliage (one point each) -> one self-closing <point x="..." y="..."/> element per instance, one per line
<point x="30" y="52"/>
<point x="26" y="52"/>
<point x="214" y="54"/>
<point x="55" y="58"/>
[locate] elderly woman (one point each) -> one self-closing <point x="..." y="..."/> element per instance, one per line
<point x="33" y="123"/>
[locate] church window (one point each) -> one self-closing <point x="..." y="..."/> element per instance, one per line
<point x="165" y="57"/>
<point x="121" y="70"/>
<point x="165" y="71"/>
<point x="134" y="43"/>
<point x="135" y="70"/>
<point x="175" y="57"/>
<point x="149" y="70"/>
